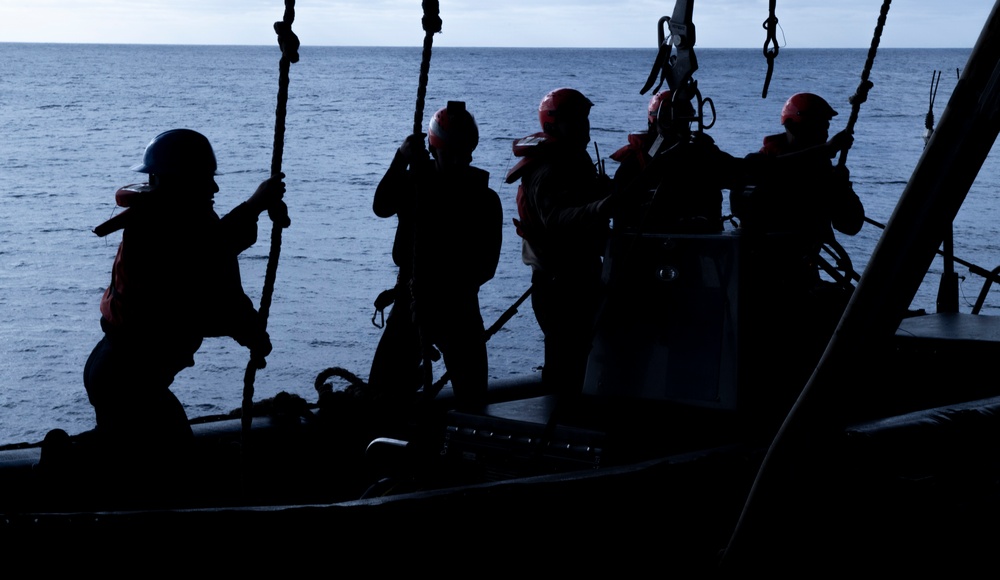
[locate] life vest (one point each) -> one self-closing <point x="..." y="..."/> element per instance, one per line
<point x="775" y="144"/>
<point x="111" y="301"/>
<point x="524" y="222"/>
<point x="637" y="147"/>
<point x="128" y="196"/>
<point x="529" y="149"/>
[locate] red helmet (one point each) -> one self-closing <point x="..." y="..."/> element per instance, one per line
<point x="453" y="129"/>
<point x="561" y="101"/>
<point x="654" y="105"/>
<point x="808" y="106"/>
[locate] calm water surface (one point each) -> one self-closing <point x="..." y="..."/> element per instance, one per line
<point x="75" y="118"/>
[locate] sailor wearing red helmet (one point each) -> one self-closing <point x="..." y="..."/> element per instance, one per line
<point x="447" y="245"/>
<point x="806" y="118"/>
<point x="797" y="198"/>
<point x="672" y="176"/>
<point x="634" y="156"/>
<point x="798" y="187"/>
<point x="564" y="209"/>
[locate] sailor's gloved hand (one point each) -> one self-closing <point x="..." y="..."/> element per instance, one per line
<point x="278" y="213"/>
<point x="268" y="197"/>
<point x="841" y="174"/>
<point x="413" y="150"/>
<point x="260" y="347"/>
<point x="839" y="142"/>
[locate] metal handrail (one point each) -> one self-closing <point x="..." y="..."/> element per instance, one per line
<point x="990" y="276"/>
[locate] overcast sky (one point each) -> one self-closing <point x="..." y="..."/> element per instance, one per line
<point x="525" y="23"/>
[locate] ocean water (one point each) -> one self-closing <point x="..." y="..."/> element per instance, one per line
<point x="75" y="117"/>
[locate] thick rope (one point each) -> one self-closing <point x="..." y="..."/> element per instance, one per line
<point x="431" y="23"/>
<point x="861" y="95"/>
<point x="323" y="388"/>
<point x="289" y="45"/>
<point x="770" y="46"/>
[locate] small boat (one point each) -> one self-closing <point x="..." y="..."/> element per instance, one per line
<point x="683" y="452"/>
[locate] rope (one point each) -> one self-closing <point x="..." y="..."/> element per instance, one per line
<point x="289" y="45"/>
<point x="324" y="388"/>
<point x="431" y="23"/>
<point x="770" y="46"/>
<point x="861" y="95"/>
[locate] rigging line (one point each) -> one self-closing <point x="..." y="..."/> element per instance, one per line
<point x="770" y="46"/>
<point x="861" y="95"/>
<point x="431" y="23"/>
<point x="289" y="45"/>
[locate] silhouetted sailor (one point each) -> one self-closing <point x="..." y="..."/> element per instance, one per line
<point x="797" y="188"/>
<point x="175" y="281"/>
<point x="671" y="178"/>
<point x="797" y="199"/>
<point x="564" y="207"/>
<point x="447" y="245"/>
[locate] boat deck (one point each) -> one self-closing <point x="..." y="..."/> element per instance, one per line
<point x="952" y="330"/>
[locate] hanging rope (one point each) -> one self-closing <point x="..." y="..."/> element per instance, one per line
<point x="493" y="329"/>
<point x="861" y="95"/>
<point x="431" y="23"/>
<point x="770" y="46"/>
<point x="289" y="45"/>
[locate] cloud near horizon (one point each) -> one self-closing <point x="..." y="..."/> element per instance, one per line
<point x="516" y="23"/>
